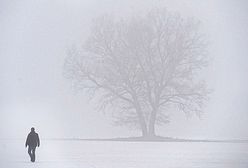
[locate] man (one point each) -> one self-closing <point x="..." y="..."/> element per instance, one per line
<point x="32" y="142"/>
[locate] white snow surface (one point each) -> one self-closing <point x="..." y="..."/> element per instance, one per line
<point x="107" y="154"/>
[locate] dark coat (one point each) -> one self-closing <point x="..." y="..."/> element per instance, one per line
<point x="33" y="139"/>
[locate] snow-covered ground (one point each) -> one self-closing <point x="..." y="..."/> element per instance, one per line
<point x="100" y="154"/>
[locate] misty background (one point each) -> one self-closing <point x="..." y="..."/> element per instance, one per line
<point x="36" y="34"/>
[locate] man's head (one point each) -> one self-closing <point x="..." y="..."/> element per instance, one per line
<point x="32" y="129"/>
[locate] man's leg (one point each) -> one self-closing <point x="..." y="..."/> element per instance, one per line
<point x="29" y="152"/>
<point x="33" y="153"/>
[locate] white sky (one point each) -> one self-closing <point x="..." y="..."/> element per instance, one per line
<point x="34" y="36"/>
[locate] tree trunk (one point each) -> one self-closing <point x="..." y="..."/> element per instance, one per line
<point x="144" y="130"/>
<point x="152" y="121"/>
<point x="142" y="121"/>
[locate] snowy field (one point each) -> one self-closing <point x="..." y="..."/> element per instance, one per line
<point x="98" y="154"/>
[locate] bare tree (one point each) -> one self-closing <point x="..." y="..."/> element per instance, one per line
<point x="142" y="67"/>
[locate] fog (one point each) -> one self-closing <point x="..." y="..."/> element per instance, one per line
<point x="35" y="36"/>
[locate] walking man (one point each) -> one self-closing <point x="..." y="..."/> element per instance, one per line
<point x="32" y="142"/>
